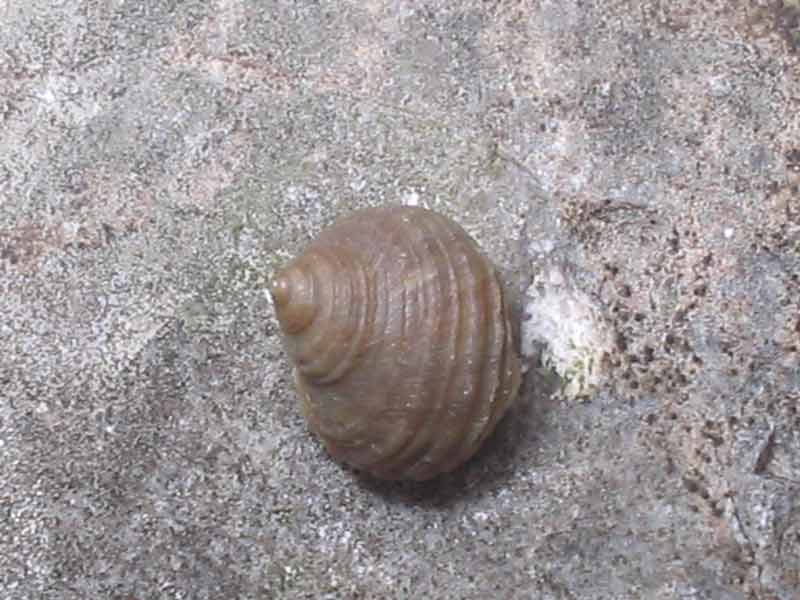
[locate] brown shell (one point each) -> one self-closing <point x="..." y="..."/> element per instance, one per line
<point x="399" y="331"/>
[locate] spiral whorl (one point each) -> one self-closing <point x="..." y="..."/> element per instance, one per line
<point x="399" y="330"/>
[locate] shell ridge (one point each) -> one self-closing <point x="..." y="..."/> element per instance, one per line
<point x="397" y="459"/>
<point x="470" y="343"/>
<point x="379" y="315"/>
<point x="308" y="341"/>
<point x="314" y="372"/>
<point x="390" y="385"/>
<point x="485" y="375"/>
<point x="444" y="373"/>
<point x="359" y="320"/>
<point x="396" y="444"/>
<point x="510" y="367"/>
<point x="325" y="346"/>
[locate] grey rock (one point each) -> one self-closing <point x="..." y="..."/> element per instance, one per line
<point x="159" y="159"/>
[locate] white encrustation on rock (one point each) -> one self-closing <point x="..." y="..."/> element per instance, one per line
<point x="565" y="327"/>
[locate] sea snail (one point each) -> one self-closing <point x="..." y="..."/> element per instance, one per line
<point x="399" y="331"/>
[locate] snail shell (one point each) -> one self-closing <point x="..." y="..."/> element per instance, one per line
<point x="399" y="331"/>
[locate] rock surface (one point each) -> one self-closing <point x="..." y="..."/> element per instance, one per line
<point x="159" y="159"/>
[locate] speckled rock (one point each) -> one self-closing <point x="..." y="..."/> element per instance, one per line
<point x="159" y="159"/>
